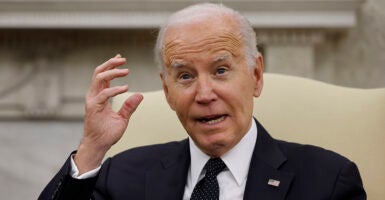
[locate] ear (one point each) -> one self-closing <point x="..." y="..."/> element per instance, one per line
<point x="258" y="75"/>
<point x="169" y="99"/>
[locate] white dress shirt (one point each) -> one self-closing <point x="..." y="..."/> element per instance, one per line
<point x="75" y="171"/>
<point x="231" y="181"/>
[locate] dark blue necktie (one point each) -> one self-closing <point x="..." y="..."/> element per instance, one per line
<point x="208" y="188"/>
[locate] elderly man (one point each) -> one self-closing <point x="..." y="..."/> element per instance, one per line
<point x="211" y="71"/>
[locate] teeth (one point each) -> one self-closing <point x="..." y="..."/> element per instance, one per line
<point x="214" y="121"/>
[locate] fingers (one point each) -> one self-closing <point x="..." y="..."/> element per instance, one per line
<point x="130" y="105"/>
<point x="103" y="97"/>
<point x="102" y="80"/>
<point x="110" y="64"/>
<point x="106" y="72"/>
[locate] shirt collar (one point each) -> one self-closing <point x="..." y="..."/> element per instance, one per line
<point x="237" y="165"/>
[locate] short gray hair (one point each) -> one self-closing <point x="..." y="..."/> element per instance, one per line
<point x="190" y="13"/>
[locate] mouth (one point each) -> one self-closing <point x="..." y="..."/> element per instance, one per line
<point x="213" y="119"/>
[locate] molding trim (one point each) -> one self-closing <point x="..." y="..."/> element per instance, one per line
<point x="297" y="37"/>
<point x="131" y="14"/>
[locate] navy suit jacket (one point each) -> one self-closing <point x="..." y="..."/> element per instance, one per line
<point x="159" y="172"/>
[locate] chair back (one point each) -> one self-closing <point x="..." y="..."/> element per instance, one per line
<point x="349" y="121"/>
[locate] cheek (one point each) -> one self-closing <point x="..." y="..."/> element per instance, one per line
<point x="241" y="99"/>
<point x="182" y="101"/>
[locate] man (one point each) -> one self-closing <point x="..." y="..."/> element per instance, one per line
<point x="211" y="71"/>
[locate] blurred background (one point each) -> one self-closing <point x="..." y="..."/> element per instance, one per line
<point x="49" y="48"/>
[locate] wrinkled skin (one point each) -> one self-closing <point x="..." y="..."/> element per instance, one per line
<point x="208" y="83"/>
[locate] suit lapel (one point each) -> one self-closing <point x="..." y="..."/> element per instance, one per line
<point x="168" y="179"/>
<point x="264" y="166"/>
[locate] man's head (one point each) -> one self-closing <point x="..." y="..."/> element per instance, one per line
<point x="200" y="11"/>
<point x="211" y="71"/>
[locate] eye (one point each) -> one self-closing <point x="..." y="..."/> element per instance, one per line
<point x="221" y="71"/>
<point x="185" y="76"/>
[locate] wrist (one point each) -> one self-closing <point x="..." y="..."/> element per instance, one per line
<point x="89" y="157"/>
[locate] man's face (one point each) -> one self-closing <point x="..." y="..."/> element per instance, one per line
<point x="208" y="83"/>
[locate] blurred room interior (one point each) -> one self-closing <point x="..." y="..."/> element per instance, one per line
<point x="49" y="48"/>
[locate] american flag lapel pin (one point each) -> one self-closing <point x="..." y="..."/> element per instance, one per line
<point x="273" y="182"/>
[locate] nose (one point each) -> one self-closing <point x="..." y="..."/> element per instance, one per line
<point x="205" y="92"/>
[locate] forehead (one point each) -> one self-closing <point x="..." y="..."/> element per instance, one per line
<point x="210" y="35"/>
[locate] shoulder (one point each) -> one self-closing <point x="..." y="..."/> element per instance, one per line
<point x="124" y="175"/>
<point x="316" y="167"/>
<point x="149" y="155"/>
<point x="311" y="154"/>
<point x="313" y="161"/>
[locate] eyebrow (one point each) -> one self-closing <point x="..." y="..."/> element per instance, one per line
<point x="221" y="58"/>
<point x="177" y="64"/>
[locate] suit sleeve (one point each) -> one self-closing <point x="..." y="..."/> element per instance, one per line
<point x="64" y="187"/>
<point x="349" y="184"/>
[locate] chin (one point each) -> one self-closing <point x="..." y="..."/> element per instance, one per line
<point x="215" y="149"/>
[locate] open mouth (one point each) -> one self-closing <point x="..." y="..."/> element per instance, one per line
<point x="212" y="119"/>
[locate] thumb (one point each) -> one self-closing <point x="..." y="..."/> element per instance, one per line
<point x="130" y="105"/>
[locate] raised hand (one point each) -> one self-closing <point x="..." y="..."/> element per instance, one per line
<point x="102" y="126"/>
